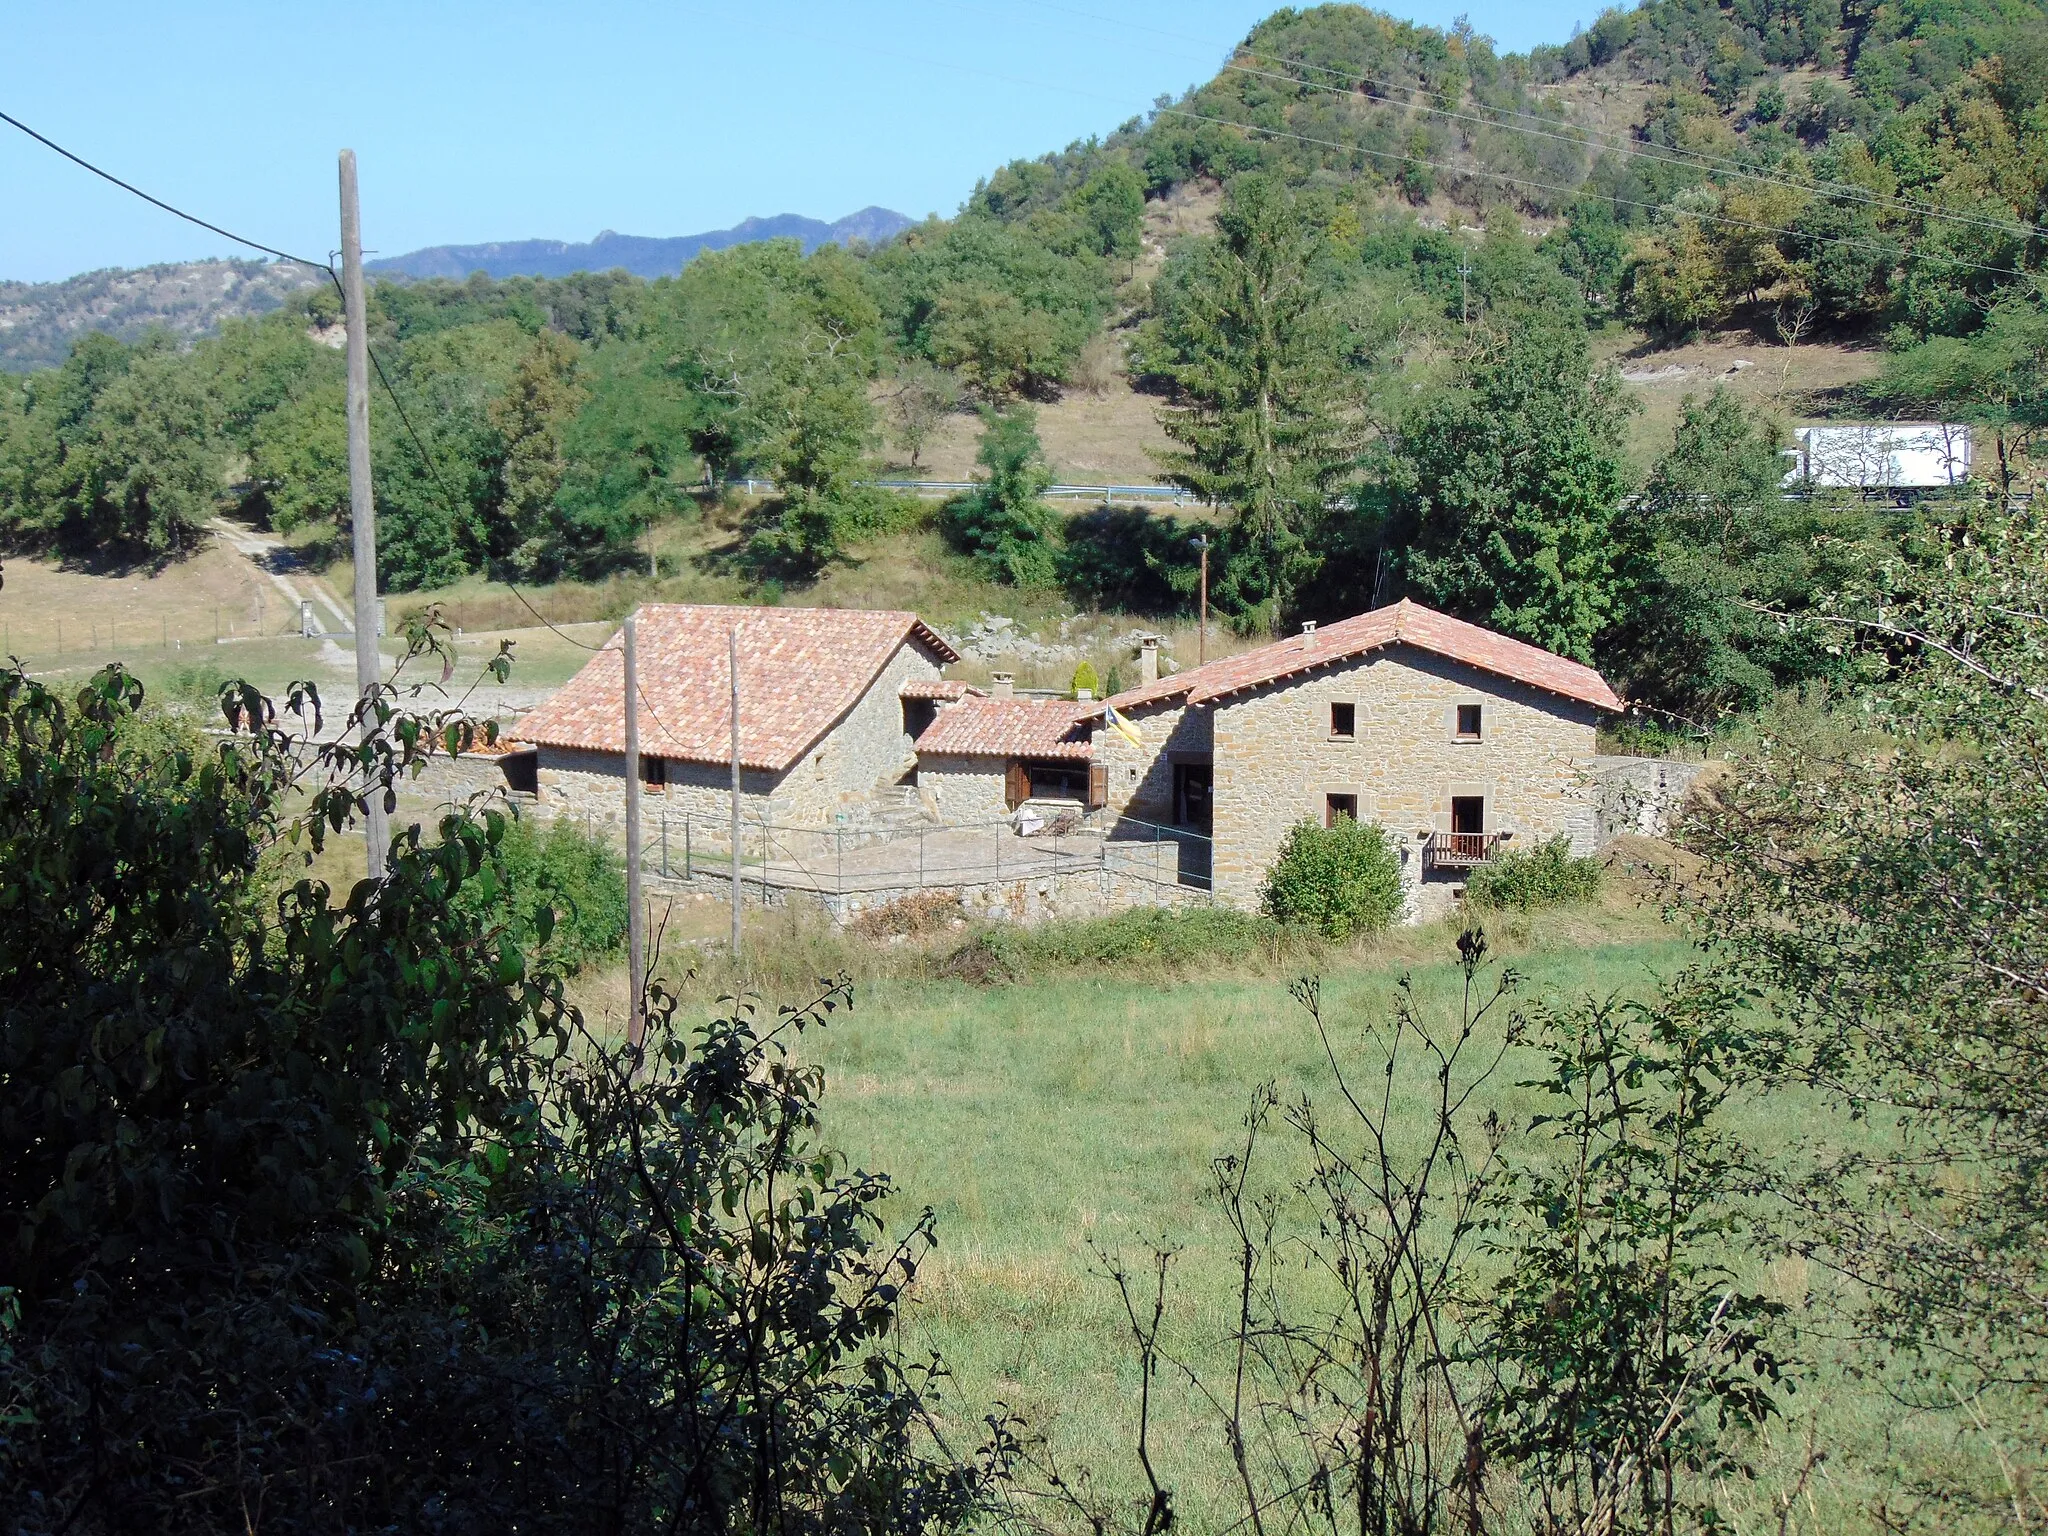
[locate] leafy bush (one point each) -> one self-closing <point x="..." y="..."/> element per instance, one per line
<point x="1544" y="876"/>
<point x="1175" y="937"/>
<point x="337" y="1211"/>
<point x="580" y="879"/>
<point x="199" y="684"/>
<point x="1085" y="677"/>
<point x="1339" y="880"/>
<point x="1162" y="933"/>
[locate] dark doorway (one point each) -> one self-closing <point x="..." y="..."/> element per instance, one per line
<point x="1192" y="787"/>
<point x="521" y="770"/>
<point x="1468" y="813"/>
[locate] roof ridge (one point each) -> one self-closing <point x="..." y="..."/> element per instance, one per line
<point x="1404" y="622"/>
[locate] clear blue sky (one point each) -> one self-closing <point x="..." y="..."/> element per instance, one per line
<point x="514" y="120"/>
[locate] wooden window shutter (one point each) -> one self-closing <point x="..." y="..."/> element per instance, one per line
<point x="1016" y="784"/>
<point x="1098" y="786"/>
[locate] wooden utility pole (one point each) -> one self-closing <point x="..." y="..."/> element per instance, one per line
<point x="1202" y="631"/>
<point x="735" y="650"/>
<point x="636" y="909"/>
<point x="362" y="507"/>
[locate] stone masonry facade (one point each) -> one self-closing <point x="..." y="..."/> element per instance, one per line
<point x="865" y="748"/>
<point x="1139" y="783"/>
<point x="963" y="790"/>
<point x="1275" y="760"/>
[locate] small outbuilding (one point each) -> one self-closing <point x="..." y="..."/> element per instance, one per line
<point x="986" y="755"/>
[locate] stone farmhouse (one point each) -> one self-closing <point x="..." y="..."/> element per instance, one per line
<point x="1454" y="739"/>
<point x="832" y="701"/>
<point x="1457" y="741"/>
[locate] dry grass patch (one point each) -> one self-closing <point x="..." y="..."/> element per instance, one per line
<point x="54" y="612"/>
<point x="1796" y="385"/>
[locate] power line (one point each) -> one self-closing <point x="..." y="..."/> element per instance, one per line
<point x="449" y="496"/>
<point x="80" y="160"/>
<point x="1545" y="186"/>
<point x="1658" y="155"/>
<point x="426" y="458"/>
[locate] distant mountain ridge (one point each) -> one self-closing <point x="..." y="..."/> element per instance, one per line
<point x="642" y="255"/>
<point x="39" y="321"/>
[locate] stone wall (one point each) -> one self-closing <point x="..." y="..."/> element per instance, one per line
<point x="455" y="779"/>
<point x="590" y="787"/>
<point x="1084" y="893"/>
<point x="1139" y="783"/>
<point x="868" y="746"/>
<point x="963" y="790"/>
<point x="1276" y="761"/>
<point x="1641" y="795"/>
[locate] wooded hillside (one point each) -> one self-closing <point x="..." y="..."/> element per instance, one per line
<point x="1370" y="342"/>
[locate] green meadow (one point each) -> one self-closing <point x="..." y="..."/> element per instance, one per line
<point x="1068" y="1122"/>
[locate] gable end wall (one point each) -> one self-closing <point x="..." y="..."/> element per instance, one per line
<point x="866" y="746"/>
<point x="1275" y="759"/>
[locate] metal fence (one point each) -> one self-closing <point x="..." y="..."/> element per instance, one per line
<point x="880" y="861"/>
<point x="1178" y="495"/>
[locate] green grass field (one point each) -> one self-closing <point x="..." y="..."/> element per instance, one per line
<point x="1073" y="1117"/>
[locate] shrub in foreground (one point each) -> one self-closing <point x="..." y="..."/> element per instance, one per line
<point x="578" y="878"/>
<point x="1338" y="880"/>
<point x="1544" y="876"/>
<point x="335" y="1212"/>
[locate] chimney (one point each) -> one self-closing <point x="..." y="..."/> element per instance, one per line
<point x="1002" y="685"/>
<point x="1148" y="660"/>
<point x="1308" y="626"/>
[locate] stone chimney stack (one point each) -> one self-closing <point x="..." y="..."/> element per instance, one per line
<point x="1148" y="660"/>
<point x="1002" y="685"/>
<point x="1308" y="626"/>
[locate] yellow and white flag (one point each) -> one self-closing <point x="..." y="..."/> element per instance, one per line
<point x="1120" y="725"/>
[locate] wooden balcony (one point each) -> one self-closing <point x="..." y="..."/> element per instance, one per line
<point x="1461" y="850"/>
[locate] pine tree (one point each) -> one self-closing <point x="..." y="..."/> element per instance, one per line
<point x="1254" y="347"/>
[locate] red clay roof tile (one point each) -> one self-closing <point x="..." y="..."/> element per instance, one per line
<point x="1404" y="623"/>
<point x="943" y="689"/>
<point x="800" y="670"/>
<point x="989" y="727"/>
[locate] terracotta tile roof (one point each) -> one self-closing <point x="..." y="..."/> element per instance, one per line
<point x="800" y="670"/>
<point x="1404" y="623"/>
<point x="943" y="689"/>
<point x="989" y="727"/>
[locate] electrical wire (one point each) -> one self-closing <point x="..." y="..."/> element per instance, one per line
<point x="426" y="458"/>
<point x="1903" y="253"/>
<point x="449" y="496"/>
<point x="80" y="160"/>
<point x="1657" y="155"/>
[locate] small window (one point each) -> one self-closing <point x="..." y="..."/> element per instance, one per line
<point x="1338" y="808"/>
<point x="1468" y="722"/>
<point x="818" y="763"/>
<point x="1343" y="721"/>
<point x="654" y="774"/>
